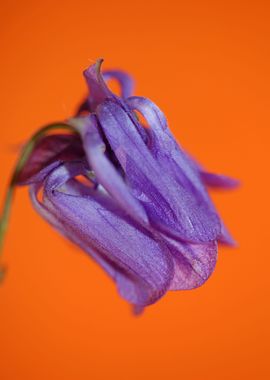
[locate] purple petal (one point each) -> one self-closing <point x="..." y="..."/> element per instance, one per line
<point x="217" y="181"/>
<point x="142" y="268"/>
<point x="170" y="206"/>
<point x="106" y="173"/>
<point x="48" y="213"/>
<point x="212" y="179"/>
<point x="225" y="236"/>
<point x="125" y="81"/>
<point x="99" y="90"/>
<point x="174" y="159"/>
<point x="167" y="151"/>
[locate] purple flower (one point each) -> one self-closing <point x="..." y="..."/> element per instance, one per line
<point x="127" y="194"/>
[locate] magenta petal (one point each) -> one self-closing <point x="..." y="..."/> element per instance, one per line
<point x="49" y="149"/>
<point x="40" y="176"/>
<point x="194" y="263"/>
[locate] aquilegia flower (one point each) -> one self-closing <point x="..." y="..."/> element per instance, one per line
<point x="124" y="191"/>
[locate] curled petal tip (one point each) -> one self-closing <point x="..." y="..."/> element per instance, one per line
<point x="99" y="63"/>
<point x="95" y="67"/>
<point x="97" y="86"/>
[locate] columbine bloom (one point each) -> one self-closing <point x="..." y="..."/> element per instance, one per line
<point x="127" y="193"/>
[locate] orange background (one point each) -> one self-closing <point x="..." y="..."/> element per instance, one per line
<point x="206" y="64"/>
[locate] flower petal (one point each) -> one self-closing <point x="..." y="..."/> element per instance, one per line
<point x="174" y="159"/>
<point x="167" y="151"/>
<point x="125" y="81"/>
<point x="143" y="268"/>
<point x="49" y="149"/>
<point x="225" y="236"/>
<point x="219" y="180"/>
<point x="194" y="263"/>
<point x="170" y="206"/>
<point x="41" y="175"/>
<point x="99" y="91"/>
<point x="48" y="213"/>
<point x="104" y="170"/>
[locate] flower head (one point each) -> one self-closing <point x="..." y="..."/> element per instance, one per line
<point x="127" y="193"/>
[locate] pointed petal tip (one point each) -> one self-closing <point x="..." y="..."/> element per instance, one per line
<point x="137" y="310"/>
<point x="219" y="181"/>
<point x="93" y="69"/>
<point x="99" y="62"/>
<point x="98" y="89"/>
<point x="228" y="242"/>
<point x="225" y="237"/>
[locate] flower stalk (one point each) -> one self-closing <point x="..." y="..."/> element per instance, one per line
<point x="22" y="161"/>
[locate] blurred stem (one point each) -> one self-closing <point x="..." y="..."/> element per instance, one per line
<point x="24" y="156"/>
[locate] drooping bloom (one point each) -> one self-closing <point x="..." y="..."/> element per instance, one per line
<point x="127" y="193"/>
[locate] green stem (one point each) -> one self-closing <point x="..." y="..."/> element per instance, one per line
<point x="25" y="154"/>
